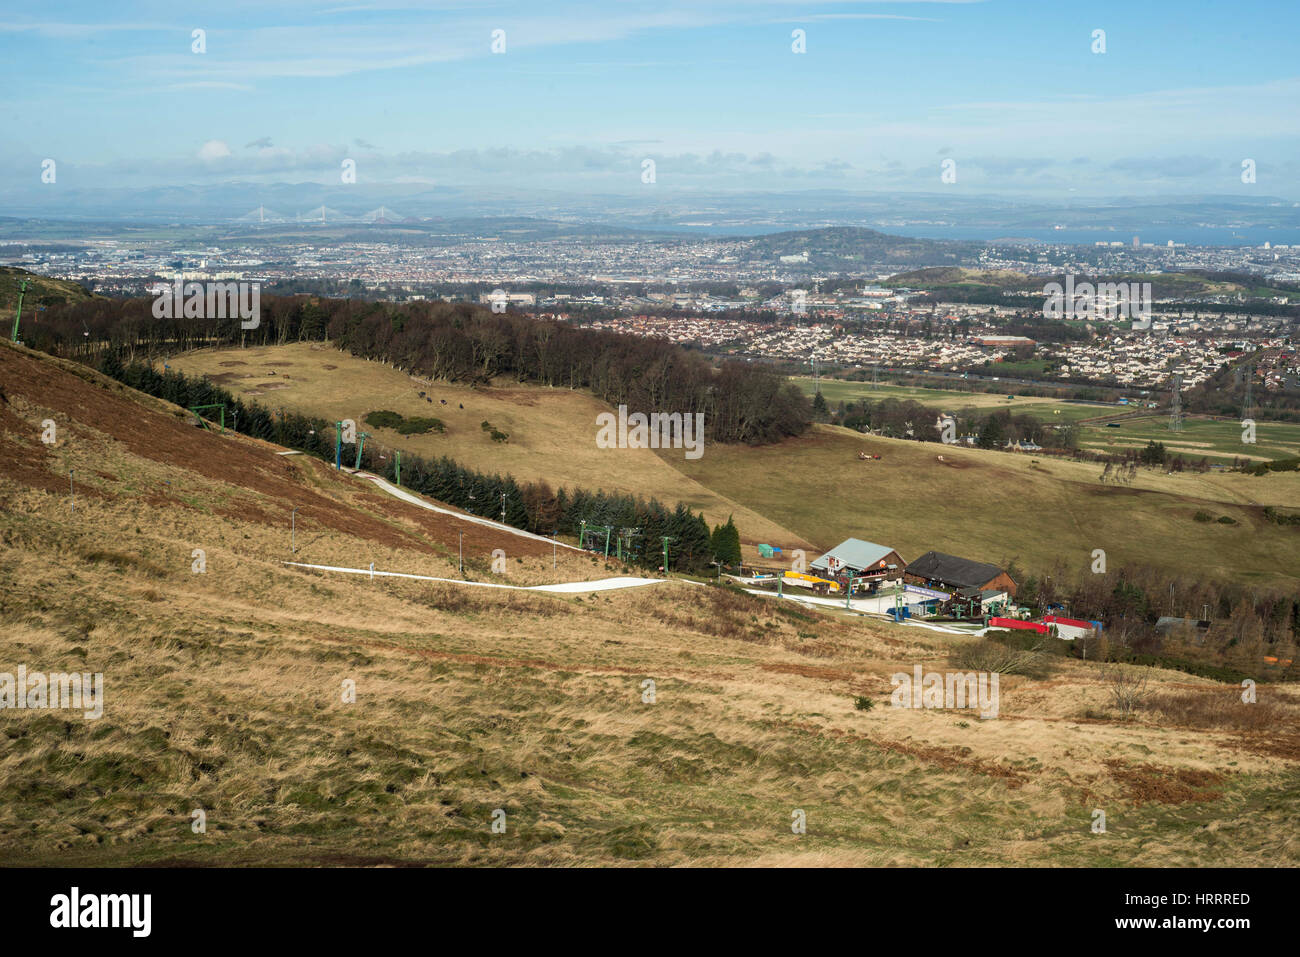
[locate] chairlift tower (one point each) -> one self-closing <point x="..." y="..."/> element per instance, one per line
<point x="625" y="543"/>
<point x="22" y="290"/>
<point x="666" y="539"/>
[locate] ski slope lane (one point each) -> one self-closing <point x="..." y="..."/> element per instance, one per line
<point x="405" y="496"/>
<point x="602" y="584"/>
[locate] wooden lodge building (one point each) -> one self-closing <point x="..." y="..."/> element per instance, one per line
<point x="952" y="574"/>
<point x="867" y="562"/>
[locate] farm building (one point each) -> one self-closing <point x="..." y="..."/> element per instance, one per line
<point x="1071" y="628"/>
<point x="863" y="560"/>
<point x="952" y="574"/>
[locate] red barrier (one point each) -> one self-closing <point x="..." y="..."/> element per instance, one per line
<point x="1074" y="622"/>
<point x="1017" y="623"/>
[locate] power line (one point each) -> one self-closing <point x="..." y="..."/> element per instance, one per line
<point x="1176" y="405"/>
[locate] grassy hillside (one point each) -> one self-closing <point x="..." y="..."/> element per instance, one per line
<point x="223" y="693"/>
<point x="997" y="507"/>
<point x="552" y="432"/>
<point x="41" y="291"/>
<point x="989" y="505"/>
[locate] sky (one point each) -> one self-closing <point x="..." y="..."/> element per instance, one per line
<point x="1008" y="96"/>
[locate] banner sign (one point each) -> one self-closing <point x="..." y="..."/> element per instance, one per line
<point x="927" y="592"/>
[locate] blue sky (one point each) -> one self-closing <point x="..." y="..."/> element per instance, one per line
<point x="1008" y="89"/>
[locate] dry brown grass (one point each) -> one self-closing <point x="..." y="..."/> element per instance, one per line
<point x="546" y="426"/>
<point x="223" y="692"/>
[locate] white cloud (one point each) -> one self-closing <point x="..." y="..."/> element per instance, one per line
<point x="213" y="150"/>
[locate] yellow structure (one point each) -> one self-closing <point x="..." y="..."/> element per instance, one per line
<point x="810" y="581"/>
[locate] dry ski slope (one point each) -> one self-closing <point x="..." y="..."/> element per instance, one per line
<point x="224" y="692"/>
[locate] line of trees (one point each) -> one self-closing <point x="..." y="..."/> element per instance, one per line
<point x="909" y="419"/>
<point x="1249" y="623"/>
<point x="461" y="342"/>
<point x="533" y="506"/>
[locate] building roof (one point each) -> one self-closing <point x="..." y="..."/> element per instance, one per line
<point x="855" y="553"/>
<point x="1166" y="622"/>
<point x="936" y="566"/>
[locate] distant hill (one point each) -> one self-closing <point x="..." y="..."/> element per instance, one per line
<point x="943" y="276"/>
<point x="844" y="246"/>
<point x="41" y="291"/>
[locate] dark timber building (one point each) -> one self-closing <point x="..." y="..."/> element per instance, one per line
<point x="952" y="574"/>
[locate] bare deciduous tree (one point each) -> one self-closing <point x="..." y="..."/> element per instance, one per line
<point x="1127" y="686"/>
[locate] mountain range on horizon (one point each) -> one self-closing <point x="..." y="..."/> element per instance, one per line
<point x="665" y="210"/>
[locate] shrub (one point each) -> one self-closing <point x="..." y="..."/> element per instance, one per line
<point x="993" y="656"/>
<point x="420" y="424"/>
<point x="1280" y="465"/>
<point x="1227" y="520"/>
<point x="1225" y="673"/>
<point x="863" y="703"/>
<point x="1128" y="687"/>
<point x="1203" y="517"/>
<point x="1281" y="518"/>
<point x="499" y="436"/>
<point x="384" y="419"/>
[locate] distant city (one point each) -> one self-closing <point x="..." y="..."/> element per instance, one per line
<point x="750" y="298"/>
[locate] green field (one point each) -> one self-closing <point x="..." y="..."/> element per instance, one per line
<point x="1001" y="507"/>
<point x="951" y="400"/>
<point x="1218" y="440"/>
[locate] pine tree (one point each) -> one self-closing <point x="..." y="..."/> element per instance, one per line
<point x="726" y="543"/>
<point x="992" y="436"/>
<point x="111" y="365"/>
<point x="820" y="411"/>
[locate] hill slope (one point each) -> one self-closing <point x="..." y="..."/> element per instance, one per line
<point x="41" y="291"/>
<point x="813" y="491"/>
<point x="552" y="432"/>
<point x="998" y="507"/>
<point x="223" y="693"/>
